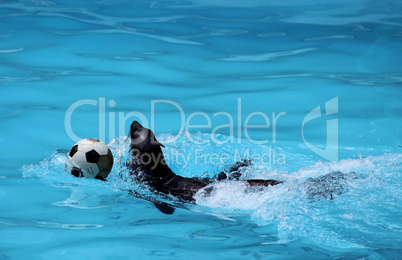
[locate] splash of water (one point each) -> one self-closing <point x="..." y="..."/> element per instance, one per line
<point x="365" y="199"/>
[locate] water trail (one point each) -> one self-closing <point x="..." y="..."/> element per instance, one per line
<point x="365" y="195"/>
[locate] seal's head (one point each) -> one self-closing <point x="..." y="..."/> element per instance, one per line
<point x="143" y="139"/>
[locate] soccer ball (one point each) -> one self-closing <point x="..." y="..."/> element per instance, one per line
<point x="90" y="158"/>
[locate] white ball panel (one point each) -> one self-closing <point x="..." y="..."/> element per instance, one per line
<point x="90" y="170"/>
<point x="85" y="147"/>
<point x="101" y="148"/>
<point x="79" y="159"/>
<point x="85" y="141"/>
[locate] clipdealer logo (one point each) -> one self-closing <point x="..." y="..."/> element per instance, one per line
<point x="239" y="129"/>
<point x="330" y="152"/>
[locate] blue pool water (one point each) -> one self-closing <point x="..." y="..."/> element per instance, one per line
<point x="232" y="62"/>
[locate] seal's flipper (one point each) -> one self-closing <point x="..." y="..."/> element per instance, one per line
<point x="327" y="186"/>
<point x="234" y="172"/>
<point x="265" y="183"/>
<point x="164" y="208"/>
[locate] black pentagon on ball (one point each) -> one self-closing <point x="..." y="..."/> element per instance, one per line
<point x="77" y="172"/>
<point x="73" y="150"/>
<point x="92" y="156"/>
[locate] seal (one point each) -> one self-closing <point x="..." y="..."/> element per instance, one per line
<point x="148" y="165"/>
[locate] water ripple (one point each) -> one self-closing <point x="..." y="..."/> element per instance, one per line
<point x="331" y="37"/>
<point x="47" y="224"/>
<point x="271" y="34"/>
<point x="67" y="226"/>
<point x="216" y="32"/>
<point x="109" y="23"/>
<point x="358" y="79"/>
<point x="163" y="38"/>
<point x="11" y="50"/>
<point x="267" y="56"/>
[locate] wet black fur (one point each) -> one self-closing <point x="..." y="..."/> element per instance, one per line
<point x="149" y="166"/>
